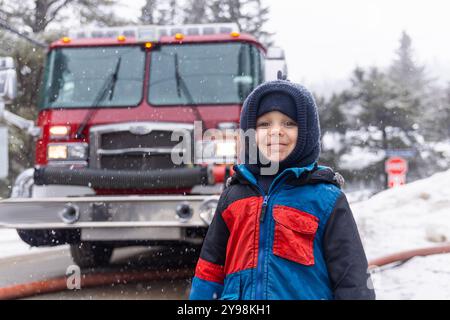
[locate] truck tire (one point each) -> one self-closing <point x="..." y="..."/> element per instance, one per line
<point x="91" y="254"/>
<point x="49" y="238"/>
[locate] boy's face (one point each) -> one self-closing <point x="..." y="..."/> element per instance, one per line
<point x="276" y="135"/>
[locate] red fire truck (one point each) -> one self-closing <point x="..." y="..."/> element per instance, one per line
<point x="117" y="106"/>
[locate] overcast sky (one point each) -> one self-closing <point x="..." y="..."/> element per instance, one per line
<point x="325" y="39"/>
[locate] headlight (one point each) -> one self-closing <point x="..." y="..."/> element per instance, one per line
<point x="57" y="152"/>
<point x="77" y="151"/>
<point x="59" y="132"/>
<point x="68" y="151"/>
<point x="216" y="151"/>
<point x="226" y="149"/>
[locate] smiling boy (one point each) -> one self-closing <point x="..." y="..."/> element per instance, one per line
<point x="283" y="229"/>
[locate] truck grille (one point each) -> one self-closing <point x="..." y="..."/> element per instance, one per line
<point x="137" y="145"/>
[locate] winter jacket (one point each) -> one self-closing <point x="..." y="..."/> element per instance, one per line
<point x="298" y="241"/>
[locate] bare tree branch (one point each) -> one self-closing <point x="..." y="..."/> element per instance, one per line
<point x="55" y="11"/>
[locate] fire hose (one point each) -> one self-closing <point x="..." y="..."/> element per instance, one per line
<point x="407" y="255"/>
<point x="89" y="281"/>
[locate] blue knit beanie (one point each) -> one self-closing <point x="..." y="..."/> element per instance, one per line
<point x="278" y="101"/>
<point x="307" y="149"/>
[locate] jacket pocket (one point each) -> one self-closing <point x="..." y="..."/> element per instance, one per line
<point x="294" y="234"/>
<point x="232" y="288"/>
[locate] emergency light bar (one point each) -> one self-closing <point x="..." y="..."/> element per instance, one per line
<point x="152" y="33"/>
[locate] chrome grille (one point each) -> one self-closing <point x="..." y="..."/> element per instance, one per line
<point x="137" y="145"/>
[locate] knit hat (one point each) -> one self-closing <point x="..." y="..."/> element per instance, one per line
<point x="307" y="148"/>
<point x="278" y="101"/>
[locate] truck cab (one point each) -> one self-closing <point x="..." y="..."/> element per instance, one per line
<point x="128" y="150"/>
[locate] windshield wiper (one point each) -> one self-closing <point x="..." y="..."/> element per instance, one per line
<point x="181" y="84"/>
<point x="108" y="86"/>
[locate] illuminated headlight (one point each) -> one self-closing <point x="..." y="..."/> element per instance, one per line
<point x="226" y="149"/>
<point x="57" y="152"/>
<point x="69" y="151"/>
<point x="217" y="151"/>
<point x="59" y="132"/>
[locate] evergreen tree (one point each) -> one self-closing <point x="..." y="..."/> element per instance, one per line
<point x="250" y="15"/>
<point x="405" y="71"/>
<point x="197" y="12"/>
<point x="415" y="89"/>
<point x="148" y="12"/>
<point x="375" y="109"/>
<point x="257" y="17"/>
<point x="446" y="113"/>
<point x="333" y="128"/>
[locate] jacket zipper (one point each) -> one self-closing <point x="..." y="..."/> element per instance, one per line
<point x="262" y="238"/>
<point x="262" y="234"/>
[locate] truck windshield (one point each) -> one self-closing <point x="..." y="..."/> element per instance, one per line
<point x="221" y="73"/>
<point x="77" y="77"/>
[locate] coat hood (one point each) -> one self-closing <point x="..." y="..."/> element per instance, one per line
<point x="307" y="149"/>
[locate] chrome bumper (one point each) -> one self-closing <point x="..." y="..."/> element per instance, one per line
<point x="111" y="218"/>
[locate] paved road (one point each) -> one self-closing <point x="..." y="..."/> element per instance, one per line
<point x="53" y="264"/>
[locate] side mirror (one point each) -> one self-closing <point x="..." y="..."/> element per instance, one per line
<point x="275" y="61"/>
<point x="8" y="79"/>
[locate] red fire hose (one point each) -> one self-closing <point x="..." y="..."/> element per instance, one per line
<point x="406" y="255"/>
<point x="88" y="281"/>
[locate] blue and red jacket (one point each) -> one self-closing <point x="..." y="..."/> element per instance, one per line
<point x="298" y="241"/>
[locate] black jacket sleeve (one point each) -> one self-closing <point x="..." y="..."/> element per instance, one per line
<point x="216" y="240"/>
<point x="345" y="257"/>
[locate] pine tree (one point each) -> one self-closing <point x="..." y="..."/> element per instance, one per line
<point x="446" y="112"/>
<point x="333" y="126"/>
<point x="405" y="71"/>
<point x="257" y="15"/>
<point x="196" y="12"/>
<point x="413" y="87"/>
<point x="148" y="12"/>
<point x="250" y="15"/>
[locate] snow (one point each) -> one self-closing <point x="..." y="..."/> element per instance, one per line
<point x="359" y="158"/>
<point x="413" y="216"/>
<point x="422" y="278"/>
<point x="332" y="141"/>
<point x="11" y="245"/>
<point x="443" y="147"/>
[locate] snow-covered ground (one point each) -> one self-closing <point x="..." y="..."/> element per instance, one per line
<point x="413" y="216"/>
<point x="11" y="245"/>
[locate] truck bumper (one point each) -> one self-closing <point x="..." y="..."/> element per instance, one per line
<point x="112" y="218"/>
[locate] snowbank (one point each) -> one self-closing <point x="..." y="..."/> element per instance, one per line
<point x="409" y="217"/>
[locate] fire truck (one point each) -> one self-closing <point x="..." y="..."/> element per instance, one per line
<point x="116" y="107"/>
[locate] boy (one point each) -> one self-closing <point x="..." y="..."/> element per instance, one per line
<point x="286" y="233"/>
